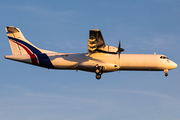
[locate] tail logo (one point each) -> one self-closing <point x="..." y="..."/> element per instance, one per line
<point x="37" y="57"/>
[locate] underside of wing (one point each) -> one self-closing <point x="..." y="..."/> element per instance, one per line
<point x="96" y="43"/>
<point x="95" y="40"/>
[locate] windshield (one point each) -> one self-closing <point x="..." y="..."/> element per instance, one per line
<point x="163" y="57"/>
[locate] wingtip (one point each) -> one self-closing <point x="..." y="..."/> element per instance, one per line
<point x="95" y="30"/>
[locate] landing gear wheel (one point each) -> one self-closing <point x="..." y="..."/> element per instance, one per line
<point x="98" y="76"/>
<point x="166" y="74"/>
<point x="97" y="71"/>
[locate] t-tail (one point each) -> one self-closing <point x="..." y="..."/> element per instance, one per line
<point x="24" y="51"/>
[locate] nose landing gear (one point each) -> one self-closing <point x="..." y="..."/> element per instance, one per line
<point x="166" y="72"/>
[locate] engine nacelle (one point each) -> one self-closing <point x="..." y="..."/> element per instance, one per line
<point x="109" y="49"/>
<point x="110" y="67"/>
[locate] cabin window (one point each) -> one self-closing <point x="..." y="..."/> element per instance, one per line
<point x="163" y="57"/>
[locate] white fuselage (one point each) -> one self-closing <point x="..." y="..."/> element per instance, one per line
<point x="110" y="62"/>
<point x="150" y="62"/>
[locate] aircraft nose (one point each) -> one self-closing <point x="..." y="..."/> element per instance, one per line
<point x="174" y="65"/>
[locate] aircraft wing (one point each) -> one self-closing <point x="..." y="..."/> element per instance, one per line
<point x="95" y="41"/>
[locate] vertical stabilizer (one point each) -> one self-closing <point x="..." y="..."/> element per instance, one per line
<point x="24" y="51"/>
<point x="16" y="40"/>
<point x="19" y="45"/>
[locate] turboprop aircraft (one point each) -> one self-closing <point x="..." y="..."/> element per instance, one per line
<point x="99" y="59"/>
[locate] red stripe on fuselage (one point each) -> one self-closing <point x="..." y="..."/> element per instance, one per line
<point x="33" y="56"/>
<point x="34" y="59"/>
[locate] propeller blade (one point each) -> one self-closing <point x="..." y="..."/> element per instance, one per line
<point x="119" y="45"/>
<point x="119" y="49"/>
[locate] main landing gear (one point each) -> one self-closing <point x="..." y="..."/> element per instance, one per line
<point x="98" y="72"/>
<point x="98" y="76"/>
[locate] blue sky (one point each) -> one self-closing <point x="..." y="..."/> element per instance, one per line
<point x="30" y="92"/>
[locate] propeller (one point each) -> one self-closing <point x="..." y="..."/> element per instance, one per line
<point x="119" y="49"/>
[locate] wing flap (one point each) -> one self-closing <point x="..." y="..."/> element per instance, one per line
<point x="95" y="40"/>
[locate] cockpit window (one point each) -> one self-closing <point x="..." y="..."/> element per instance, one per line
<point x="163" y="57"/>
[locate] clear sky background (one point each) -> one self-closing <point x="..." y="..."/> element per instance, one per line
<point x="144" y="26"/>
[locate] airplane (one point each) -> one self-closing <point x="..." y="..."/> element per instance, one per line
<point x="99" y="59"/>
